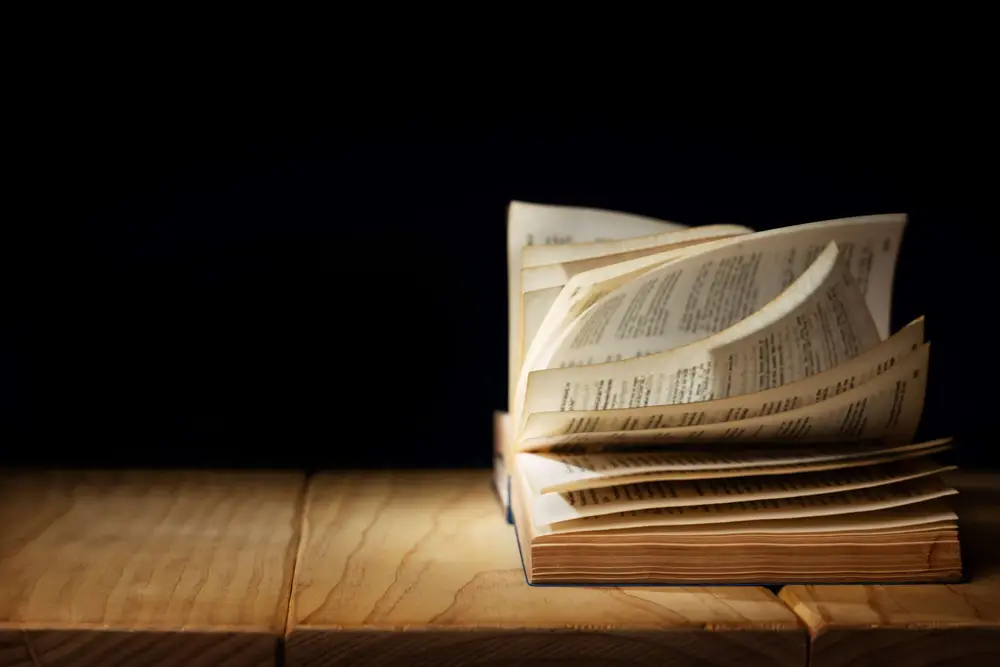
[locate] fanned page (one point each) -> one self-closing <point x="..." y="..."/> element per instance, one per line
<point x="704" y="290"/>
<point x="691" y="295"/>
<point x="535" y="256"/>
<point x="820" y="321"/>
<point x="541" y="224"/>
<point x="579" y="294"/>
<point x="549" y="268"/>
<point x="846" y="502"/>
<point x="535" y="305"/>
<point x="932" y="514"/>
<point x="555" y="507"/>
<point x="812" y="389"/>
<point x="718" y="405"/>
<point x="722" y="282"/>
<point x="888" y="408"/>
<point x="550" y="472"/>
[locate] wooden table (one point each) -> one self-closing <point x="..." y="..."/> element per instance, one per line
<point x="145" y="569"/>
<point x="136" y="569"/>
<point x="923" y="625"/>
<point x="419" y="568"/>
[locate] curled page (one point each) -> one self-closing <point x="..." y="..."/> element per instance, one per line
<point x="548" y="472"/>
<point x="718" y="284"/>
<point x="540" y="282"/>
<point x="582" y="291"/>
<point x="553" y="507"/>
<point x="534" y="306"/>
<point x="539" y="224"/>
<point x="822" y="315"/>
<point x="575" y="257"/>
<point x="812" y="389"/>
<point x="870" y="245"/>
<point x="847" y="502"/>
<point x="888" y="407"/>
<point x="931" y="515"/>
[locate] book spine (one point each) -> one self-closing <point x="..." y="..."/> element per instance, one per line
<point x="501" y="484"/>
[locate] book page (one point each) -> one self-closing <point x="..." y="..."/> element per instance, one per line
<point x="540" y="285"/>
<point x="847" y="502"/>
<point x="581" y="292"/>
<point x="840" y="464"/>
<point x="812" y="389"/>
<point x="861" y="236"/>
<point x="540" y="282"/>
<point x="819" y="322"/>
<point x="574" y="298"/>
<point x="548" y="472"/>
<point x="889" y="407"/>
<point x="539" y="224"/>
<point x="558" y="275"/>
<point x="923" y="516"/>
<point x="718" y="284"/>
<point x="546" y="277"/>
<point x="535" y="306"/>
<point x="609" y="251"/>
<point x="549" y="276"/>
<point x="553" y="507"/>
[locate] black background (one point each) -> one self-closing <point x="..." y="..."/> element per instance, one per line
<point x="191" y="287"/>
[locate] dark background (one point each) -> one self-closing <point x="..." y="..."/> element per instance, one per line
<point x="189" y="287"/>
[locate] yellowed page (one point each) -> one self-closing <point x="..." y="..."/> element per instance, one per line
<point x="549" y="472"/>
<point x="754" y="532"/>
<point x="578" y="295"/>
<point x="569" y="254"/>
<point x="923" y="521"/>
<point x="872" y="242"/>
<point x="540" y="283"/>
<point x="547" y="277"/>
<point x="574" y="298"/>
<point x="923" y="516"/>
<point x="531" y="224"/>
<point x="889" y="407"/>
<point x="535" y="306"/>
<point x="558" y="275"/>
<point x="718" y="284"/>
<point x="807" y="391"/>
<point x="819" y="322"/>
<point x="847" y="502"/>
<point x="840" y="464"/>
<point x="554" y="507"/>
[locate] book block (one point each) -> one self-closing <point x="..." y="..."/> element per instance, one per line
<point x="919" y="625"/>
<point x="420" y="568"/>
<point x="145" y="568"/>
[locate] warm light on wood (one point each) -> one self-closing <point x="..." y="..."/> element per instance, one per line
<point x="185" y="569"/>
<point x="430" y="554"/>
<point x="919" y="625"/>
<point x="203" y="569"/>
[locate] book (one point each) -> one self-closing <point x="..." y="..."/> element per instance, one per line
<point x="715" y="404"/>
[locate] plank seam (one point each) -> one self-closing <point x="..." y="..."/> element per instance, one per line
<point x="300" y="522"/>
<point x="35" y="662"/>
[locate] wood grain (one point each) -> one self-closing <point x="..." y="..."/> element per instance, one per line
<point x="920" y="624"/>
<point x="420" y="568"/>
<point x="146" y="568"/>
<point x="13" y="649"/>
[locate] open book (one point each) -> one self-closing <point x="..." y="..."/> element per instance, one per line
<point x="717" y="405"/>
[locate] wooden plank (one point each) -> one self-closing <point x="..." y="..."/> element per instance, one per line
<point x="146" y="568"/>
<point x="13" y="650"/>
<point x="419" y="568"/>
<point x="919" y="625"/>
